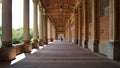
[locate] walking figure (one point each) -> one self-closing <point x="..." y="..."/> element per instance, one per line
<point x="61" y="39"/>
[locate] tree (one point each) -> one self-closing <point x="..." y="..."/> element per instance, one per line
<point x="0" y="1"/>
<point x="0" y="31"/>
<point x="18" y="35"/>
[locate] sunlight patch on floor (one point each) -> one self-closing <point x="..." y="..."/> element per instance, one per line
<point x="45" y="45"/>
<point x="18" y="58"/>
<point x="22" y="56"/>
<point x="50" y="42"/>
<point x="40" y="47"/>
<point x="33" y="51"/>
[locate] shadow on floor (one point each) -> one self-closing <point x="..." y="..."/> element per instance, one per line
<point x="62" y="55"/>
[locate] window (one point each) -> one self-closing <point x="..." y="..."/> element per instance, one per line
<point x="104" y="8"/>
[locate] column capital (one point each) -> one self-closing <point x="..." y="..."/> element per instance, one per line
<point x="35" y="1"/>
<point x="80" y="6"/>
<point x="40" y="9"/>
<point x="26" y="21"/>
<point x="44" y="12"/>
<point x="35" y="27"/>
<point x="75" y="12"/>
<point x="85" y="1"/>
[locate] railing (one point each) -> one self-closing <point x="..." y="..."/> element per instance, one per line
<point x="19" y="48"/>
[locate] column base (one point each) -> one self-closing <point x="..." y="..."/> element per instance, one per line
<point x="79" y="42"/>
<point x="75" y="42"/>
<point x="45" y="41"/>
<point x="41" y="42"/>
<point x="7" y="54"/>
<point x="35" y="44"/>
<point x="114" y="50"/>
<point x="51" y="40"/>
<point x="85" y="44"/>
<point x="27" y="47"/>
<point x="48" y="40"/>
<point x="94" y="45"/>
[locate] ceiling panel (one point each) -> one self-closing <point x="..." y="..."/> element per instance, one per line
<point x="59" y="11"/>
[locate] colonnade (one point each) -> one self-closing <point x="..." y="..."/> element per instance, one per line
<point x="88" y="27"/>
<point x="8" y="51"/>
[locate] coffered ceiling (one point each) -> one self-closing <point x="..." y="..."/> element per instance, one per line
<point x="59" y="11"/>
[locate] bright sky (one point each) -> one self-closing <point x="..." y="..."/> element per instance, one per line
<point x="17" y="9"/>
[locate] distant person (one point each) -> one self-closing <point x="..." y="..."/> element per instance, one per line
<point x="61" y="39"/>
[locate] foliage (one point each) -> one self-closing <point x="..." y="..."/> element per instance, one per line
<point x="17" y="35"/>
<point x="0" y="32"/>
<point x="0" y="1"/>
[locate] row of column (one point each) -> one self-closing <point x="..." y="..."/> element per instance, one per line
<point x="9" y="52"/>
<point x="42" y="23"/>
<point x="7" y="22"/>
<point x="81" y="24"/>
<point x="81" y="29"/>
<point x="42" y="31"/>
<point x="51" y="31"/>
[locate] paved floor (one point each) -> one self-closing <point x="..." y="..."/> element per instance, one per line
<point x="63" y="55"/>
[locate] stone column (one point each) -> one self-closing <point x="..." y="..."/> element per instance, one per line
<point x="76" y="26"/>
<point x="56" y="34"/>
<point x="85" y="45"/>
<point x="53" y="32"/>
<point x="48" y="29"/>
<point x="44" y="27"/>
<point x="80" y="24"/>
<point x="51" y="38"/>
<point x="40" y="25"/>
<point x="114" y="39"/>
<point x="35" y="24"/>
<point x="95" y="23"/>
<point x="27" y="46"/>
<point x="69" y="31"/>
<point x="8" y="52"/>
